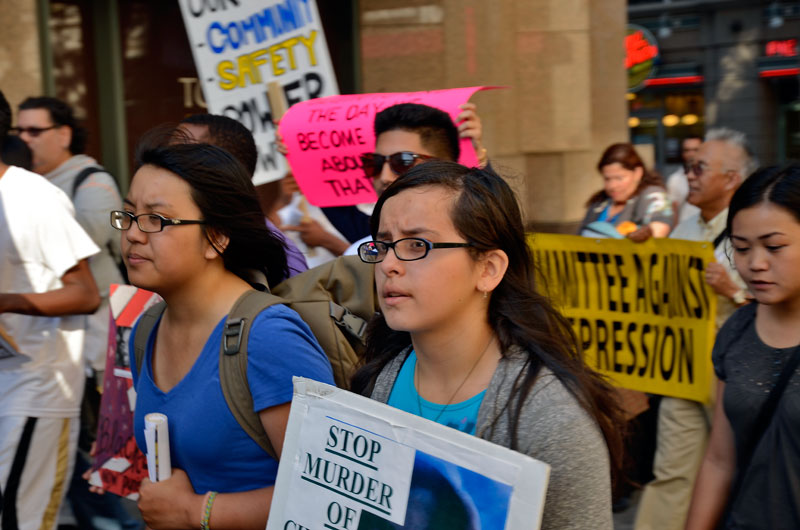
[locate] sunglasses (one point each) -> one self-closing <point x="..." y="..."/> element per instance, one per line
<point x="399" y="163"/>
<point x="33" y="132"/>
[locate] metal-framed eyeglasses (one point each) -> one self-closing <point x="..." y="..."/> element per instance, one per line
<point x="147" y="222"/>
<point x="406" y="249"/>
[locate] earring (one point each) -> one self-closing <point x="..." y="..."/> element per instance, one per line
<point x="485" y="295"/>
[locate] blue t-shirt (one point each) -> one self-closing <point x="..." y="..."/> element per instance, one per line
<point x="205" y="439"/>
<point x="461" y="416"/>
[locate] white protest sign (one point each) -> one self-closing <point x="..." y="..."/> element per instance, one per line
<point x="350" y="463"/>
<point x="239" y="46"/>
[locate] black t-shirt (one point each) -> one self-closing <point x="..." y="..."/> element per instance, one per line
<point x="770" y="494"/>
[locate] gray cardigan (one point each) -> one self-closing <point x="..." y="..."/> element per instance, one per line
<point x="554" y="429"/>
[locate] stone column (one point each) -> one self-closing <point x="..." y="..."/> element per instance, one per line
<point x="20" y="60"/>
<point x="561" y="62"/>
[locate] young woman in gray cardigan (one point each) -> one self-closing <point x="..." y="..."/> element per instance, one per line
<point x="464" y="339"/>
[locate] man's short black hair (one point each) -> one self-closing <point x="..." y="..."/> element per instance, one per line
<point x="60" y="114"/>
<point x="436" y="130"/>
<point x="230" y="135"/>
<point x="5" y="116"/>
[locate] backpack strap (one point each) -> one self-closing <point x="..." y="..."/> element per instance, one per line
<point x="143" y="329"/>
<point x="233" y="364"/>
<point x="81" y="177"/>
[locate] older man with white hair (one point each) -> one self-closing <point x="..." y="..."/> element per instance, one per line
<point x="716" y="172"/>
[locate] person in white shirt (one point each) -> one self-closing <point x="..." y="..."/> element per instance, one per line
<point x="57" y="141"/>
<point x="719" y="168"/>
<point x="46" y="288"/>
<point x="678" y="182"/>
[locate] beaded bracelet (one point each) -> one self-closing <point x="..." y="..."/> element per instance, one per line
<point x="208" y="501"/>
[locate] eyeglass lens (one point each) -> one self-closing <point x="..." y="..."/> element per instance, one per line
<point x="408" y="249"/>
<point x="147" y="222"/>
<point x="399" y="163"/>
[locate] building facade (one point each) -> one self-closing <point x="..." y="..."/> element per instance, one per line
<point x="126" y="66"/>
<point x="730" y="63"/>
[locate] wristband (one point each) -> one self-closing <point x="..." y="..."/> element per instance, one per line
<point x="208" y="501"/>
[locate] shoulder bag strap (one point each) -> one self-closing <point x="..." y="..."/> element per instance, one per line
<point x="233" y="364"/>
<point x="81" y="177"/>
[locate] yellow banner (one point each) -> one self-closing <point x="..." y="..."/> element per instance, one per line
<point x="643" y="312"/>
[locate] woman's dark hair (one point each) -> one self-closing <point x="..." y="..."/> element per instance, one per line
<point x="486" y="214"/>
<point x="779" y="185"/>
<point x="5" y="116"/>
<point x="224" y="193"/>
<point x="625" y="155"/>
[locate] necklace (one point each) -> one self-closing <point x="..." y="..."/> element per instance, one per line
<point x="418" y="390"/>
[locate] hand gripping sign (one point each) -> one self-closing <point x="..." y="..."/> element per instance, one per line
<point x="325" y="138"/>
<point x="351" y="463"/>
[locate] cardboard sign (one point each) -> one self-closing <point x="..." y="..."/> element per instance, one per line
<point x="352" y="463"/>
<point x="326" y="137"/>
<point x="642" y="311"/>
<point x="119" y="466"/>
<point x="240" y="46"/>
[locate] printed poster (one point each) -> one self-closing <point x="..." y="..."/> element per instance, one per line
<point x="239" y="47"/>
<point x="119" y="466"/>
<point x="352" y="463"/>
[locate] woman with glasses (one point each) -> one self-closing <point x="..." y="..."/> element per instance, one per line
<point x="465" y="340"/>
<point x="193" y="232"/>
<point x="633" y="202"/>
<point x="750" y="475"/>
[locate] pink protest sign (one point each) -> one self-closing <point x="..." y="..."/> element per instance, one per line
<point x="325" y="138"/>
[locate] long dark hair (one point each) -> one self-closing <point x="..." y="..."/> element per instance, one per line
<point x="779" y="185"/>
<point x="224" y="193"/>
<point x="486" y="214"/>
<point x="625" y="155"/>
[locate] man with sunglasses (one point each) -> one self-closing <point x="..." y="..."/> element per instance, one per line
<point x="721" y="164"/>
<point x="46" y="287"/>
<point x="406" y="134"/>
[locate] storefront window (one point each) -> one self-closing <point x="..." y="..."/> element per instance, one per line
<point x="662" y="119"/>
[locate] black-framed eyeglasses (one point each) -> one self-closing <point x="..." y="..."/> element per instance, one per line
<point x="33" y="131"/>
<point x="399" y="162"/>
<point x="147" y="222"/>
<point x="406" y="249"/>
